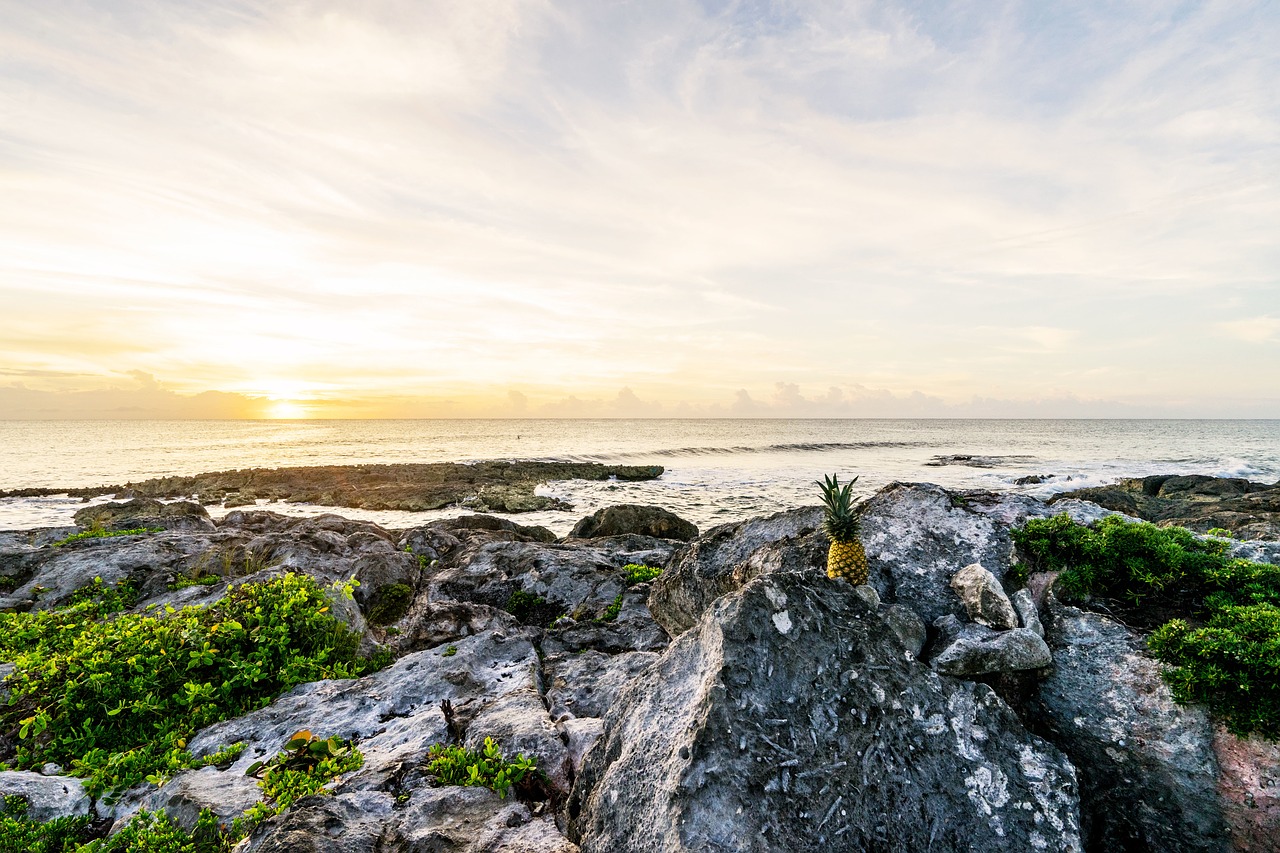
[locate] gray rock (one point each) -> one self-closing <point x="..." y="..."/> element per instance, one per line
<point x="984" y="598"/>
<point x="908" y="626"/>
<point x="790" y="719"/>
<point x="228" y="795"/>
<point x="633" y="518"/>
<point x="6" y="670"/>
<point x="574" y="579"/>
<point x="518" y="721"/>
<point x="431" y="623"/>
<point x="725" y="557"/>
<point x="1147" y="767"/>
<point x="634" y="630"/>
<point x="587" y="684"/>
<point x="439" y="820"/>
<point x="978" y="650"/>
<point x="917" y="536"/>
<point x="580" y="734"/>
<point x="1028" y="614"/>
<point x="47" y="797"/>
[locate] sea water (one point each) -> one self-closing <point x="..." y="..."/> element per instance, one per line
<point x="716" y="470"/>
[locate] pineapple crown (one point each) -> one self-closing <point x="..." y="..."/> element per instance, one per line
<point x="840" y="522"/>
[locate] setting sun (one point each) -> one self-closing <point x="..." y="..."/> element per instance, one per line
<point x="286" y="410"/>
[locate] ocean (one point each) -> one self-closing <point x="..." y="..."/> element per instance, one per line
<point x="716" y="470"/>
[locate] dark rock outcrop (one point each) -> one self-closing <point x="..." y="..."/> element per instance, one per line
<point x="482" y="486"/>
<point x="1148" y="774"/>
<point x="635" y="519"/>
<point x="146" y="512"/>
<point x="1200" y="503"/>
<point x="788" y="719"/>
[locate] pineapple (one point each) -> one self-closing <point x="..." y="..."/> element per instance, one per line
<point x="846" y="557"/>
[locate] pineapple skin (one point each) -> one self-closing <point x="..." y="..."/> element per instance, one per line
<point x="847" y="560"/>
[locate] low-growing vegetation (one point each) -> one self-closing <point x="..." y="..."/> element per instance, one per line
<point x="390" y="603"/>
<point x="101" y="533"/>
<point x="303" y="768"/>
<point x="20" y="834"/>
<point x="611" y="612"/>
<point x="114" y="696"/>
<point x="486" y="767"/>
<point x="1216" y="619"/>
<point x="639" y="573"/>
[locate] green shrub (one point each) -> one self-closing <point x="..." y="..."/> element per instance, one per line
<point x="304" y="767"/>
<point x="115" y="698"/>
<point x="611" y="612"/>
<point x="154" y="832"/>
<point x="1231" y="664"/>
<point x="1223" y="644"/>
<point x="99" y="533"/>
<point x="1128" y="561"/>
<point x="456" y="765"/>
<point x="639" y="573"/>
<point x="20" y="834"/>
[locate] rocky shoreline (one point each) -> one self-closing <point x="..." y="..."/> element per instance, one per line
<point x="739" y="701"/>
<point x="492" y="486"/>
<point x="1246" y="509"/>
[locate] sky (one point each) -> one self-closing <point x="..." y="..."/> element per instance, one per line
<point x="657" y="208"/>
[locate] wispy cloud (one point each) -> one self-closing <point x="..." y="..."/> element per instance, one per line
<point x="434" y="200"/>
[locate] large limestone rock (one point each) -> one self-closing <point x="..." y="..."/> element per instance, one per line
<point x="726" y="557"/>
<point x="47" y="797"/>
<point x="1249" y="788"/>
<point x="790" y="719"/>
<point x="633" y="518"/>
<point x="1148" y="771"/>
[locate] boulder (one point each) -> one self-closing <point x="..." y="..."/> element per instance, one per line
<point x="431" y="623"/>
<point x="47" y="797"/>
<point x="978" y="650"/>
<point x="984" y="598"/>
<point x="633" y="518"/>
<point x="146" y="512"/>
<point x="1147" y="766"/>
<point x="726" y="557"/>
<point x="228" y="795"/>
<point x="789" y="718"/>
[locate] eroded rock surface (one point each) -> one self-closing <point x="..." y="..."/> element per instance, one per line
<point x="1249" y="510"/>
<point x="1148" y="772"/>
<point x="789" y="718"/>
<point x="639" y="520"/>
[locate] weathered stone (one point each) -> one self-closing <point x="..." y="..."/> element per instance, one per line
<point x="146" y="512"/>
<point x="1147" y="767"/>
<point x="790" y="719"/>
<point x="519" y="722"/>
<point x="908" y="626"/>
<point x="634" y="630"/>
<point x="1249" y="789"/>
<point x="984" y="598"/>
<point x="47" y="797"/>
<point x="432" y="820"/>
<point x="1198" y="502"/>
<point x="6" y="670"/>
<point x="580" y="734"/>
<point x="868" y="595"/>
<point x="978" y="650"/>
<point x="633" y="518"/>
<point x="720" y="561"/>
<point x="1028" y="614"/>
<point x="587" y="684"/>
<point x="228" y="795"/>
<point x="431" y="623"/>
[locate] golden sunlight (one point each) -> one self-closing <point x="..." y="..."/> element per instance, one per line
<point x="286" y="410"/>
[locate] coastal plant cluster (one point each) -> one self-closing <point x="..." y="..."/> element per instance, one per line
<point x="304" y="767"/>
<point x="114" y="696"/>
<point x="102" y="533"/>
<point x="1216" y="619"/>
<point x="484" y="767"/>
